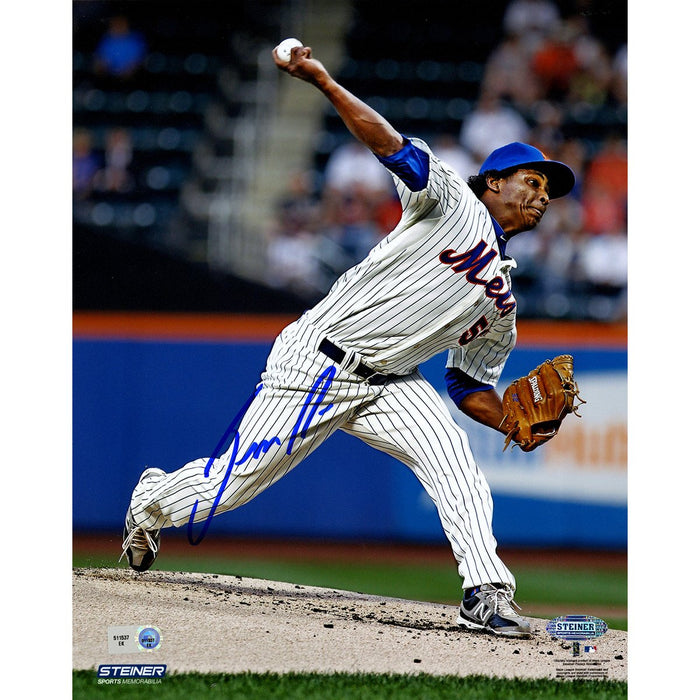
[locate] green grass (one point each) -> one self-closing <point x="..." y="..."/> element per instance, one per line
<point x="537" y="585"/>
<point x="342" y="686"/>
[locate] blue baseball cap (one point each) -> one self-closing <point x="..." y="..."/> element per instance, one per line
<point x="521" y="155"/>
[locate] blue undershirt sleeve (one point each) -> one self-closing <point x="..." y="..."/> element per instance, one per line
<point x="411" y="165"/>
<point x="460" y="384"/>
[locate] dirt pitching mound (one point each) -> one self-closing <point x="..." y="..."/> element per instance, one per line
<point x="230" y="624"/>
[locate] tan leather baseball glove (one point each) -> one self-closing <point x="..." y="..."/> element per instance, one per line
<point x="535" y="405"/>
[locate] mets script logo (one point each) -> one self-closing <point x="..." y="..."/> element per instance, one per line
<point x="472" y="263"/>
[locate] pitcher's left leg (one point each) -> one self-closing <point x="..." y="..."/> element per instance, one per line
<point x="410" y="421"/>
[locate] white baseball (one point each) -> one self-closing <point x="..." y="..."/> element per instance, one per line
<point x="284" y="49"/>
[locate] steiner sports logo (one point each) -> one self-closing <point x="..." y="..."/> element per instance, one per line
<point x="131" y="671"/>
<point x="576" y="627"/>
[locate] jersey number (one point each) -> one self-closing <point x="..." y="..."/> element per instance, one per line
<point x="474" y="331"/>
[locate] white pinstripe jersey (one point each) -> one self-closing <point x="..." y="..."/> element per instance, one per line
<point x="437" y="282"/>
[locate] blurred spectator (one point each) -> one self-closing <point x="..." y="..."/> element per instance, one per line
<point x="555" y="62"/>
<point x="573" y="153"/>
<point x="530" y="19"/>
<point x="121" y="51"/>
<point x="603" y="213"/>
<point x="609" y="166"/>
<point x="291" y="262"/>
<point x="359" y="199"/>
<point x="490" y="125"/>
<point x="299" y="205"/>
<point x="353" y="168"/>
<point x="387" y="214"/>
<point x="507" y="72"/>
<point x="572" y="65"/>
<point x="352" y="226"/>
<point x="562" y="280"/>
<point x="605" y="188"/>
<point x="85" y="163"/>
<point x="588" y="89"/>
<point x="618" y="80"/>
<point x="603" y="261"/>
<point x="547" y="133"/>
<point x="292" y="244"/>
<point x="448" y="148"/>
<point x="116" y="176"/>
<point x="591" y="54"/>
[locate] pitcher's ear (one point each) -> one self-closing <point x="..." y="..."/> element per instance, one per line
<point x="494" y="183"/>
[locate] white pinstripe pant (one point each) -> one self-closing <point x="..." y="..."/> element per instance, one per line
<point x="302" y="399"/>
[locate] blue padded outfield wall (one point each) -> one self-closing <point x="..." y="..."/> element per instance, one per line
<point x="157" y="402"/>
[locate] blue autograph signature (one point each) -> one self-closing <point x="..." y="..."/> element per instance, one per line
<point x="256" y="449"/>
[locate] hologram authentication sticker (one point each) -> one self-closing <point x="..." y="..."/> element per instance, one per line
<point x="131" y="639"/>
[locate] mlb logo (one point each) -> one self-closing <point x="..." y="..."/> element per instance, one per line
<point x="589" y="650"/>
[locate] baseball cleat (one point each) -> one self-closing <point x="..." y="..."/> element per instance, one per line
<point x="140" y="545"/>
<point x="489" y="607"/>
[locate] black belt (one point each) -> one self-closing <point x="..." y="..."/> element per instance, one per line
<point x="337" y="354"/>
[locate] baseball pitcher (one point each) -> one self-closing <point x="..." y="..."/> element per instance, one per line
<point x="439" y="281"/>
